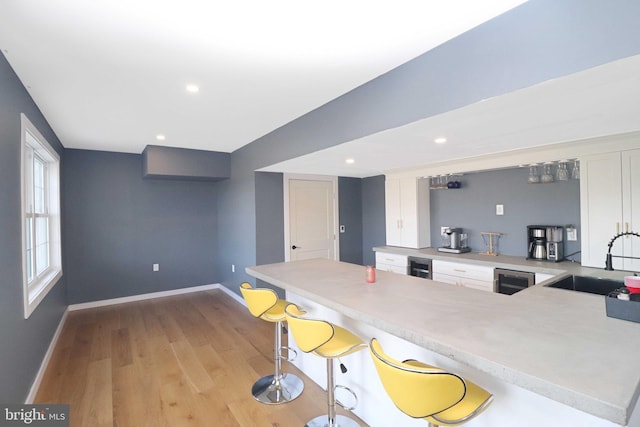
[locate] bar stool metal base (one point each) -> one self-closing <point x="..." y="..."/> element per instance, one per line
<point x="339" y="421"/>
<point x="270" y="391"/>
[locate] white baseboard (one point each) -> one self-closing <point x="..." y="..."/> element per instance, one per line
<point x="82" y="306"/>
<point x="45" y="361"/>
<point x="141" y="297"/>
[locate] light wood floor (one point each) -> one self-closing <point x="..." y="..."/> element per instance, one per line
<point x="187" y="360"/>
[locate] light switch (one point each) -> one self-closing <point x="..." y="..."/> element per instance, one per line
<point x="342" y="229"/>
<point x="156" y="267"/>
<point x="499" y="209"/>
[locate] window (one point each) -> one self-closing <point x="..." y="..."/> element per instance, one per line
<point x="41" y="255"/>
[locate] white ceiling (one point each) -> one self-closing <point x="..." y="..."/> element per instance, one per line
<point x="111" y="74"/>
<point x="601" y="101"/>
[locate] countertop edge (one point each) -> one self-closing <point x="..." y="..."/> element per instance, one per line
<point x="613" y="412"/>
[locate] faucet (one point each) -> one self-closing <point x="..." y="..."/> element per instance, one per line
<point x="608" y="265"/>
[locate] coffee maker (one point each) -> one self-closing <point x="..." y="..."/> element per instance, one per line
<point x="545" y="242"/>
<point x="455" y="241"/>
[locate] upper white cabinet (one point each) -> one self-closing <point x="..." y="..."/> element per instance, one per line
<point x="610" y="204"/>
<point x="407" y="212"/>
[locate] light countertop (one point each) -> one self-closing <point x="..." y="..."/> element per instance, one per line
<point x="508" y="262"/>
<point x="554" y="342"/>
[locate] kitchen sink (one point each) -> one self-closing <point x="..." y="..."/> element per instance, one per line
<point x="592" y="285"/>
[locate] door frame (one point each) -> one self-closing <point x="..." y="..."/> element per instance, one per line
<point x="334" y="180"/>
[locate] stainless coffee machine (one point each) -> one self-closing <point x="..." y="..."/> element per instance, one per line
<point x="545" y="242"/>
<point x="455" y="241"/>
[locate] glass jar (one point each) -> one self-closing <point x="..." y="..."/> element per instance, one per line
<point x="534" y="178"/>
<point x="547" y="175"/>
<point x="562" y="173"/>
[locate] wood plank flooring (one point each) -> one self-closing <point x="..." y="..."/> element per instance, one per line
<point x="187" y="360"/>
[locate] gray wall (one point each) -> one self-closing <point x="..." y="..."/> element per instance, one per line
<point x="473" y="208"/>
<point x="350" y="213"/>
<point x="117" y="225"/>
<point x="538" y="41"/>
<point x="23" y="343"/>
<point x="269" y="221"/>
<point x="373" y="217"/>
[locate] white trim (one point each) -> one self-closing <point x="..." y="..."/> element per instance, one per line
<point x="336" y="217"/>
<point x="37" y="290"/>
<point x="233" y="295"/>
<point x="45" y="360"/>
<point x="141" y="297"/>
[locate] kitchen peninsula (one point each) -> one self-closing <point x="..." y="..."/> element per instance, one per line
<point x="550" y="356"/>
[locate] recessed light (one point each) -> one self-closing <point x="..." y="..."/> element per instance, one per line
<point x="350" y="161"/>
<point x="191" y="88"/>
<point x="160" y="137"/>
<point x="440" y="140"/>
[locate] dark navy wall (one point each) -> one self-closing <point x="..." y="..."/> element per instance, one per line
<point x="538" y="41"/>
<point x="373" y="217"/>
<point x="117" y="225"/>
<point x="473" y="207"/>
<point x="350" y="216"/>
<point x="23" y="343"/>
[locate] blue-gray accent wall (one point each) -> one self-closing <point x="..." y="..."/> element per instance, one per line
<point x="23" y="343"/>
<point x="117" y="225"/>
<point x="373" y="217"/>
<point x="473" y="207"/>
<point x="350" y="217"/>
<point x="535" y="42"/>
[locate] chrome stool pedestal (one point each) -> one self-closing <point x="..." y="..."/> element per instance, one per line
<point x="279" y="387"/>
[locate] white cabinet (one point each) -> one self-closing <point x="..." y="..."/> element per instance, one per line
<point x="392" y="262"/>
<point x="407" y="212"/>
<point x="467" y="275"/>
<point x="610" y="204"/>
<point x="541" y="277"/>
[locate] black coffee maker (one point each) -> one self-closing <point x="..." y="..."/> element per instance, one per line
<point x="545" y="242"/>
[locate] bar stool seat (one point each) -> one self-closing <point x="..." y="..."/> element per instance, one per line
<point x="424" y="391"/>
<point x="328" y="341"/>
<point x="279" y="387"/>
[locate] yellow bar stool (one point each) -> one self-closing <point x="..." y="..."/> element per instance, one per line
<point x="423" y="391"/>
<point x="328" y="341"/>
<point x="279" y="387"/>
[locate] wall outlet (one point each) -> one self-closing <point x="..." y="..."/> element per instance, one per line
<point x="342" y="229"/>
<point x="443" y="230"/>
<point x="156" y="267"/>
<point x="572" y="234"/>
<point x="233" y="268"/>
<point x="499" y="209"/>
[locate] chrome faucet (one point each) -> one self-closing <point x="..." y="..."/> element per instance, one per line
<point x="608" y="265"/>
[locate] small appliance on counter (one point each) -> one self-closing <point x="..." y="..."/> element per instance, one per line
<point x="455" y="241"/>
<point x="545" y="242"/>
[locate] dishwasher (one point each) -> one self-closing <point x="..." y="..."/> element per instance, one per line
<point x="511" y="281"/>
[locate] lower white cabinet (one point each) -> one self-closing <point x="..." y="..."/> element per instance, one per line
<point x="541" y="277"/>
<point x="467" y="275"/>
<point x="392" y="262"/>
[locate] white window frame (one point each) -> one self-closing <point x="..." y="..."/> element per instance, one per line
<point x="33" y="142"/>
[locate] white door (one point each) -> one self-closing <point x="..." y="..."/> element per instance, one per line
<point x="311" y="218"/>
